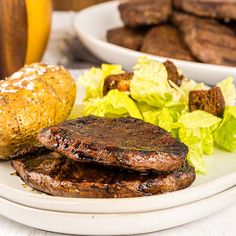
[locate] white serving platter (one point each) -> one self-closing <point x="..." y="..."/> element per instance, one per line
<point x="116" y="224"/>
<point x="92" y="24"/>
<point x="222" y="175"/>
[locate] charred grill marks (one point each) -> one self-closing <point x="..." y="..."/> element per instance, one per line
<point x="59" y="176"/>
<point x="124" y="142"/>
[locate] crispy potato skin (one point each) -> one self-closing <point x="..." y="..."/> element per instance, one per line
<point x="33" y="98"/>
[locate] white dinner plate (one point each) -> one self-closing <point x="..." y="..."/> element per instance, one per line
<point x="92" y="24"/>
<point x="116" y="224"/>
<point x="222" y="175"/>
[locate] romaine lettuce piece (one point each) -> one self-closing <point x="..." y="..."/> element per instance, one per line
<point x="165" y="119"/>
<point x="114" y="104"/>
<point x="199" y="119"/>
<point x="192" y="138"/>
<point x="159" y="117"/>
<point x="228" y="89"/>
<point x="225" y="134"/>
<point x="188" y="85"/>
<point x="150" y="84"/>
<point x="195" y="130"/>
<point x="151" y="116"/>
<point x="93" y="79"/>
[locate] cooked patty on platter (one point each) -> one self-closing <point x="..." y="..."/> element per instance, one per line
<point x="165" y="41"/>
<point x="208" y="40"/>
<point x="219" y="9"/>
<point x="59" y="176"/>
<point x="124" y="142"/>
<point x="136" y="13"/>
<point x="126" y="37"/>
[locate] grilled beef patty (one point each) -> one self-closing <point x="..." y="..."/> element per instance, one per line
<point x="126" y="37"/>
<point x="208" y="40"/>
<point x="136" y="13"/>
<point x="165" y="41"/>
<point x="124" y="142"/>
<point x="59" y="176"/>
<point x="219" y="9"/>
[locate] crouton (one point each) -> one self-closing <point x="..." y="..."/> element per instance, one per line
<point x="211" y="101"/>
<point x="119" y="81"/>
<point x="173" y="73"/>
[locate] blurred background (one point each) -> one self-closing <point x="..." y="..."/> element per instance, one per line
<point x="74" y="5"/>
<point x="34" y="20"/>
<point x="46" y="31"/>
<point x="64" y="46"/>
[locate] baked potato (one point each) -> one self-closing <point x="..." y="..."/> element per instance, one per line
<point x="33" y="98"/>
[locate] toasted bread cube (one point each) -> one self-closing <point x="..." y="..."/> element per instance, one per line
<point x="173" y="73"/>
<point x="119" y="81"/>
<point x="211" y="101"/>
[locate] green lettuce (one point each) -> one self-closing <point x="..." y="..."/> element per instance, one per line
<point x="225" y="134"/>
<point x="189" y="85"/>
<point x="196" y="131"/>
<point x="93" y="79"/>
<point x="228" y="89"/>
<point x="149" y="113"/>
<point x="200" y="119"/>
<point x="114" y="104"/>
<point x="159" y="117"/>
<point x="192" y="138"/>
<point x="164" y="117"/>
<point x="150" y="84"/>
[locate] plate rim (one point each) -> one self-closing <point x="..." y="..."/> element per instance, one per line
<point x="184" y="196"/>
<point x="97" y="219"/>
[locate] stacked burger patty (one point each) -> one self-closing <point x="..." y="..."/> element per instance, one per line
<point x="196" y="30"/>
<point x="106" y="158"/>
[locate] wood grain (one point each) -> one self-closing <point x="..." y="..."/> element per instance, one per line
<point x="74" y="5"/>
<point x="13" y="36"/>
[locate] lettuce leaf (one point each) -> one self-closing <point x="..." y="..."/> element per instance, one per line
<point x="188" y="85"/>
<point x="192" y="138"/>
<point x="93" y="79"/>
<point x="150" y="84"/>
<point x="199" y="119"/>
<point x="150" y="114"/>
<point x="162" y="118"/>
<point x="196" y="131"/>
<point x="111" y="69"/>
<point x="225" y="134"/>
<point x="228" y="89"/>
<point x="114" y="104"/>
